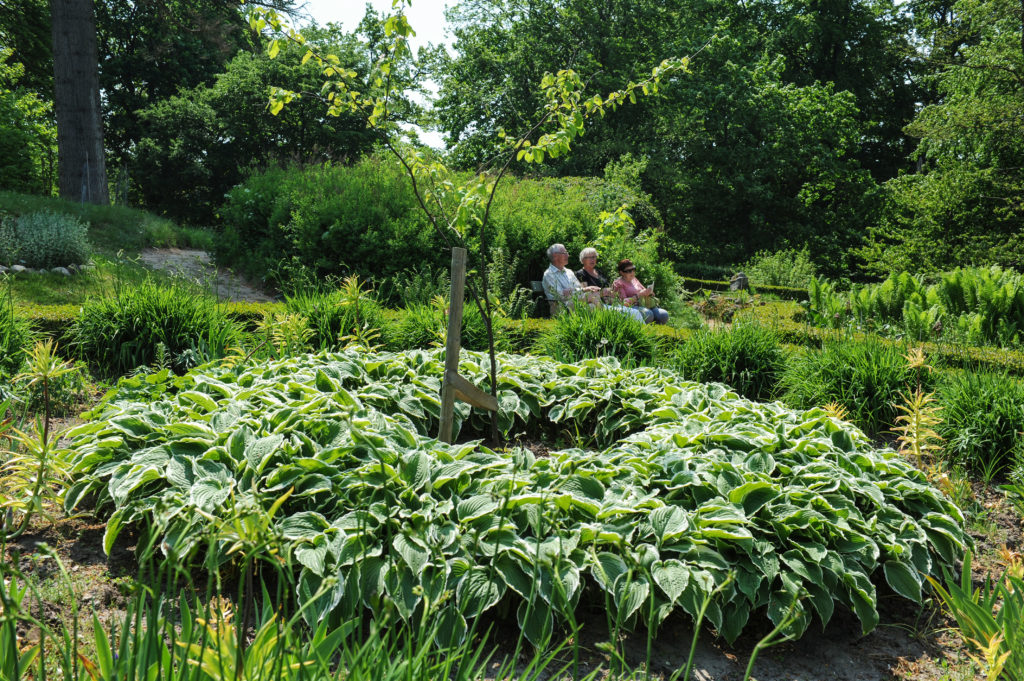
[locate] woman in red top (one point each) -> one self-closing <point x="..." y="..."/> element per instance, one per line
<point x="633" y="293"/>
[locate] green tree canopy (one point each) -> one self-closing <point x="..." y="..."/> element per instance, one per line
<point x="740" y="157"/>
<point x="196" y="145"/>
<point x="28" y="137"/>
<point x="964" y="206"/>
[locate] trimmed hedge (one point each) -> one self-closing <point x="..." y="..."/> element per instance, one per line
<point x="783" y="292"/>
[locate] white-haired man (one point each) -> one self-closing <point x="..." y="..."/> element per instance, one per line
<point x="560" y="282"/>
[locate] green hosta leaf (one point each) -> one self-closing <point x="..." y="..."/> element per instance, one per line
<point x="753" y="495"/>
<point x="669" y="522"/>
<point x="415" y="469"/>
<point x="629" y="594"/>
<point x="258" y="452"/>
<point x="415" y="555"/>
<point x="451" y="628"/>
<point x="672" y="577"/>
<point x="536" y="621"/>
<point x="201" y="400"/>
<point x="903" y="579"/>
<point x="478" y="590"/>
<point x="401" y="583"/>
<point x="209" y="494"/>
<point x="822" y="601"/>
<point x="318" y="596"/>
<point x="312" y="556"/>
<point x="514" y="573"/>
<point x="113" y="529"/>
<point x="476" y="507"/>
<point x="734" y="618"/>
<point x="607" y="568"/>
<point x="305" y="525"/>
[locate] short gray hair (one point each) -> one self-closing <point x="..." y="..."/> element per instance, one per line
<point x="588" y="252"/>
<point x="556" y="248"/>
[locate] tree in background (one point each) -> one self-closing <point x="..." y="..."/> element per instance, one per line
<point x="152" y="49"/>
<point x="81" y="161"/>
<point x="964" y="207"/>
<point x="25" y="30"/>
<point x="794" y="49"/>
<point x="196" y="145"/>
<point x="28" y="138"/>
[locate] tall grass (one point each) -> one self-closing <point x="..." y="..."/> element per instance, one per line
<point x="425" y="326"/>
<point x="747" y="357"/>
<point x="864" y="376"/>
<point x="982" y="420"/>
<point x="120" y="333"/>
<point x="336" y="314"/>
<point x="583" y="333"/>
<point x="15" y="333"/>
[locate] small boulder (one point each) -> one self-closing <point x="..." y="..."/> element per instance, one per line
<point x="61" y="270"/>
<point x="739" y="282"/>
<point x="3" y="269"/>
<point x="18" y="269"/>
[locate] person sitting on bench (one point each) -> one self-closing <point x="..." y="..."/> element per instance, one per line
<point x="560" y="283"/>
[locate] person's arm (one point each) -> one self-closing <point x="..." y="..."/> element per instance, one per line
<point x="620" y="289"/>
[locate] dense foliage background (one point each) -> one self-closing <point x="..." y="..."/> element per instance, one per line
<point x="879" y="136"/>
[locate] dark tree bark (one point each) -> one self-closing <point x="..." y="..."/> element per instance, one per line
<point x="80" y="161"/>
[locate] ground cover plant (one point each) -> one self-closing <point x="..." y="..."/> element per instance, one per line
<point x="44" y="240"/>
<point x="690" y="492"/>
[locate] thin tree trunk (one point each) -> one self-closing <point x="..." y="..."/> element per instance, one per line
<point x="81" y="169"/>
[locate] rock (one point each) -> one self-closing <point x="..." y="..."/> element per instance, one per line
<point x="61" y="270"/>
<point x="739" y="282"/>
<point x="72" y="268"/>
<point x="3" y="270"/>
<point x="18" y="269"/>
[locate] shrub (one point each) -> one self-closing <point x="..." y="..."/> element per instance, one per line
<point x="364" y="219"/>
<point x="44" y="240"/>
<point x="790" y="268"/>
<point x="425" y="326"/>
<point x="865" y="376"/>
<point x="120" y="333"/>
<point x="982" y="419"/>
<point x="747" y="357"/>
<point x="333" y="315"/>
<point x="585" y="333"/>
<point x="416" y="286"/>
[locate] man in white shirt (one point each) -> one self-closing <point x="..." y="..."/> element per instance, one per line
<point x="560" y="282"/>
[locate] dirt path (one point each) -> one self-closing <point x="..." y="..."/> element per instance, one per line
<point x="198" y="267"/>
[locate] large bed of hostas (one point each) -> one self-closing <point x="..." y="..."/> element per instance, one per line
<point x="682" y="488"/>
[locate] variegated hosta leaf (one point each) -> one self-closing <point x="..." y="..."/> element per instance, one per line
<point x="329" y="459"/>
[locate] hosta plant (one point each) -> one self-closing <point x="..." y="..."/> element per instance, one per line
<point x="690" y="490"/>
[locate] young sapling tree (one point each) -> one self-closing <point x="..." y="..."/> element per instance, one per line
<point x="459" y="211"/>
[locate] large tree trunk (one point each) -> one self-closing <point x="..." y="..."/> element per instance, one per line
<point x="81" y="168"/>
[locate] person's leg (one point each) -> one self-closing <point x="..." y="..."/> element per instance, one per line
<point x="660" y="315"/>
<point x="647" y="313"/>
<point x="628" y="311"/>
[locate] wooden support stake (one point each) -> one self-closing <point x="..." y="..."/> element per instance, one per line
<point x="469" y="393"/>
<point x="451" y="348"/>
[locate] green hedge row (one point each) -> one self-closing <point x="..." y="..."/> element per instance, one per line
<point x="54" y="321"/>
<point x="783" y="292"/>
